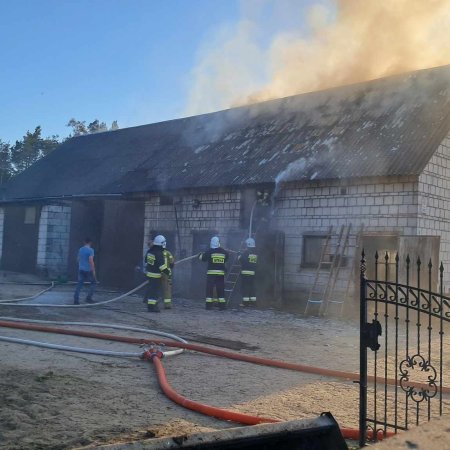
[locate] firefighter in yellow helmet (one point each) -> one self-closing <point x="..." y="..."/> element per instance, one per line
<point x="216" y="257"/>
<point x="248" y="260"/>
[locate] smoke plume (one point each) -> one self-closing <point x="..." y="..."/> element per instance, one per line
<point x="344" y="42"/>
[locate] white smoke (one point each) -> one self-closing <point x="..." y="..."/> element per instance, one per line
<point x="341" y="42"/>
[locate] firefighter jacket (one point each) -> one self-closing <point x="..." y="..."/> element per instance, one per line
<point x="248" y="260"/>
<point x="169" y="258"/>
<point x="156" y="263"/>
<point x="216" y="259"/>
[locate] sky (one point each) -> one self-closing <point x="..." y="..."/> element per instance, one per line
<point x="144" y="61"/>
<point x="134" y="61"/>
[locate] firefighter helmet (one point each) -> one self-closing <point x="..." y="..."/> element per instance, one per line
<point x="250" y="242"/>
<point x="215" y="243"/>
<point x="160" y="240"/>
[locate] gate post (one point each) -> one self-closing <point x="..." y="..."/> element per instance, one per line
<point x="362" y="354"/>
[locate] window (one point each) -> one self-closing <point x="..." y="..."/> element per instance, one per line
<point x="30" y="215"/>
<point x="312" y="249"/>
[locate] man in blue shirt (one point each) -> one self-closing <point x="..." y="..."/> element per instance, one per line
<point x="86" y="272"/>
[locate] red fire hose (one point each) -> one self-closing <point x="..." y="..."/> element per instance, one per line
<point x="219" y="413"/>
<point x="226" y="354"/>
<point x="212" y="411"/>
<point x="224" y="414"/>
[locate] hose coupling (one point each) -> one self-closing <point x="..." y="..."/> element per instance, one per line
<point x="152" y="352"/>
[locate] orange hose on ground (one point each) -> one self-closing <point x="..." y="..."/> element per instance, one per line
<point x="347" y="433"/>
<point x="226" y="354"/>
<point x="219" y="413"/>
<point x="224" y="414"/>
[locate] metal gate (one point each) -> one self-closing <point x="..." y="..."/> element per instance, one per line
<point x="402" y="322"/>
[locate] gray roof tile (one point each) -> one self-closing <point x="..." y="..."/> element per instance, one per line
<point x="390" y="126"/>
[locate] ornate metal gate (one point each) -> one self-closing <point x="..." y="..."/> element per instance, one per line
<point x="402" y="378"/>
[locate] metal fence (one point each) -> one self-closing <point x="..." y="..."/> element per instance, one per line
<point x="402" y="322"/>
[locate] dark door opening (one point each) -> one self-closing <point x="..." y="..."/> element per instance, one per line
<point x="20" y="238"/>
<point x="270" y="273"/>
<point x="86" y="221"/>
<point x="121" y="242"/>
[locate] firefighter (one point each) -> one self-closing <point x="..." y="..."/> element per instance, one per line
<point x="248" y="260"/>
<point x="167" y="280"/>
<point x="155" y="266"/>
<point x="216" y="257"/>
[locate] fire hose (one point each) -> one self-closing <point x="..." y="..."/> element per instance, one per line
<point x="13" y="302"/>
<point x="87" y="305"/>
<point x="199" y="407"/>
<point x="48" y="288"/>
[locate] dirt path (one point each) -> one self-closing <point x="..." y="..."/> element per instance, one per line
<point x="59" y="400"/>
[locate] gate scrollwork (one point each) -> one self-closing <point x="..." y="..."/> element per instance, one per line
<point x="418" y="391"/>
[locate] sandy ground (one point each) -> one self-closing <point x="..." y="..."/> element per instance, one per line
<point x="52" y="399"/>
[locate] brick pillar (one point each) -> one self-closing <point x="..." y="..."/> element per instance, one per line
<point x="53" y="240"/>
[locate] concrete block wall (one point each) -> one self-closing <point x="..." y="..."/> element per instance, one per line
<point x="53" y="240"/>
<point x="2" y="221"/>
<point x="218" y="210"/>
<point x="386" y="205"/>
<point x="434" y="203"/>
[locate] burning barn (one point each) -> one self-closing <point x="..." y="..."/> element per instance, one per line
<point x="373" y="157"/>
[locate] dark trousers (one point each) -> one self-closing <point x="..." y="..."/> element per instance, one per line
<point x="85" y="276"/>
<point x="153" y="291"/>
<point x="218" y="282"/>
<point x="248" y="288"/>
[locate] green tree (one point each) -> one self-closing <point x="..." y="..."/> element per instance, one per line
<point x="79" y="127"/>
<point x="5" y="162"/>
<point x="30" y="149"/>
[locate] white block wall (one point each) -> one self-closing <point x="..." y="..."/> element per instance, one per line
<point x="434" y="202"/>
<point x="385" y="206"/>
<point x="218" y="210"/>
<point x="2" y="221"/>
<point x="53" y="240"/>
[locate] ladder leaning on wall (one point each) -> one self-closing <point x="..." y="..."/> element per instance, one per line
<point x="326" y="278"/>
<point x="321" y="276"/>
<point x="344" y="283"/>
<point x="339" y="276"/>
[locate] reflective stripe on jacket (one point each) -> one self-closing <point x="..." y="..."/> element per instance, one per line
<point x="216" y="259"/>
<point x="169" y="258"/>
<point x="248" y="260"/>
<point x="156" y="263"/>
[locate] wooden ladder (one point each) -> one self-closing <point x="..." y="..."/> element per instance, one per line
<point x="334" y="295"/>
<point x="343" y="285"/>
<point x="319" y="289"/>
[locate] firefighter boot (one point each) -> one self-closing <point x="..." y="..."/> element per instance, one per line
<point x="152" y="306"/>
<point x="167" y="303"/>
<point x="221" y="303"/>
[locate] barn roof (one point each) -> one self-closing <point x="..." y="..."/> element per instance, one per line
<point x="390" y="126"/>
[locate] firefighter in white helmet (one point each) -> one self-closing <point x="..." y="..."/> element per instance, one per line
<point x="155" y="265"/>
<point x="248" y="260"/>
<point x="216" y="257"/>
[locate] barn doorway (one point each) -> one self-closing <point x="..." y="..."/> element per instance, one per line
<point x="21" y="225"/>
